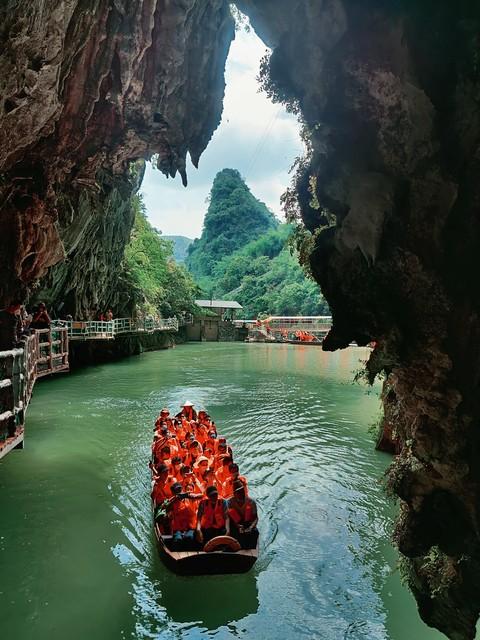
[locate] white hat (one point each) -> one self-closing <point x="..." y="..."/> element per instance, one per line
<point x="187" y="404"/>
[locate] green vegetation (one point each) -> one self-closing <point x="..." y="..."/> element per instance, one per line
<point x="243" y="255"/>
<point x="156" y="283"/>
<point x="233" y="218"/>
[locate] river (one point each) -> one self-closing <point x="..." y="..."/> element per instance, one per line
<point x="77" y="552"/>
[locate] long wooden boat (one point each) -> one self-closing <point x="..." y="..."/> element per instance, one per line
<point x="197" y="563"/>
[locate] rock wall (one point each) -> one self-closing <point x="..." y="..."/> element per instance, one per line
<point x="94" y="227"/>
<point x="87" y="86"/>
<point x="391" y="94"/>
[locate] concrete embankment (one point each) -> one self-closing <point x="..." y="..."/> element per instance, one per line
<point x="88" y="352"/>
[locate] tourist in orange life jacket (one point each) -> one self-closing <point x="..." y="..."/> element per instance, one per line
<point x="172" y="443"/>
<point x="164" y="417"/>
<point x="208" y="453"/>
<point x="190" y="434"/>
<point x="211" y="441"/>
<point x="200" y="466"/>
<point x="233" y="478"/>
<point x="179" y="430"/>
<point x="165" y="455"/>
<point x="156" y="473"/>
<point x="222" y="471"/>
<point x="213" y="519"/>
<point x="183" y="451"/>
<point x="161" y="485"/>
<point x="159" y="441"/>
<point x="186" y="477"/>
<point x="194" y="452"/>
<point x="203" y="418"/>
<point x="201" y="434"/>
<point x="188" y="411"/>
<point x="208" y="480"/>
<point x="223" y="447"/>
<point x="156" y="448"/>
<point x="183" y="517"/>
<point x="175" y="468"/>
<point x="242" y="511"/>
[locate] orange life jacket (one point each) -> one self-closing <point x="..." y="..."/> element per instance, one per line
<point x="227" y="488"/>
<point x="201" y="434"/>
<point x="161" y="492"/>
<point x="213" y="517"/>
<point x="184" y="515"/>
<point x="223" y="474"/>
<point x="246" y="516"/>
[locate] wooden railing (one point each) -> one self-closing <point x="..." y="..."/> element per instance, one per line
<point x="108" y="329"/>
<point x="42" y="353"/>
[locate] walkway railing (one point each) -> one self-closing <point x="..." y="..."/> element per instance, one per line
<point x="42" y="353"/>
<point x="278" y="325"/>
<point x="108" y="329"/>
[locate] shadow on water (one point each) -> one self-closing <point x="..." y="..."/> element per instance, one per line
<point x="209" y="601"/>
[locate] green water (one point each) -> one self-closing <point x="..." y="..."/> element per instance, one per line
<point x="77" y="554"/>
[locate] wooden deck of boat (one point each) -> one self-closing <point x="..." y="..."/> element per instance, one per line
<point x="180" y="555"/>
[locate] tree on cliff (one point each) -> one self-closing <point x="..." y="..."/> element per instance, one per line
<point x="266" y="278"/>
<point x="156" y="282"/>
<point x="233" y="219"/>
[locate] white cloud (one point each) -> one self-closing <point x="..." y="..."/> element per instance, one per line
<point x="256" y="137"/>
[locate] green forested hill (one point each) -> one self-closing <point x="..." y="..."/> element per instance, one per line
<point x="243" y="255"/>
<point x="180" y="246"/>
<point x="234" y="217"/>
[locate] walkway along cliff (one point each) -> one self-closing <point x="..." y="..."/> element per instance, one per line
<point x="43" y="353"/>
<point x="88" y="87"/>
<point x="66" y="343"/>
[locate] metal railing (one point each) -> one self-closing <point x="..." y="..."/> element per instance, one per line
<point x="312" y="324"/>
<point x="42" y="353"/>
<point x="108" y="329"/>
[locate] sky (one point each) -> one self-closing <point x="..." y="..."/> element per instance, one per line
<point x="257" y="137"/>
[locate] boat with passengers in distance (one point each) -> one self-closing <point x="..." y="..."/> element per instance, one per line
<point x="198" y="497"/>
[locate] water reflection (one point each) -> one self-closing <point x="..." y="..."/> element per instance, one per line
<point x="211" y="602"/>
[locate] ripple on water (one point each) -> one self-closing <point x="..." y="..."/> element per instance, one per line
<point x="299" y="433"/>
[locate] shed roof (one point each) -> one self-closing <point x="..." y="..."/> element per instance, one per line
<point x="218" y="304"/>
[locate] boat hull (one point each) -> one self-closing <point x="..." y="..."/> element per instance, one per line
<point x="198" y="563"/>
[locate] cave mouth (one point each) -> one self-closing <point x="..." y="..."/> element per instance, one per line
<point x="257" y="137"/>
<point x="389" y="195"/>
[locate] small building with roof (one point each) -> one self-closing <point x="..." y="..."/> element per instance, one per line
<point x="215" y="321"/>
<point x="224" y="309"/>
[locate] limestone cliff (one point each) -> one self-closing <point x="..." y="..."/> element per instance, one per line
<point x="391" y="94"/>
<point x="87" y="86"/>
<point x="94" y="227"/>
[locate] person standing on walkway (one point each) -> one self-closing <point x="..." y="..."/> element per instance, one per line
<point x="41" y="319"/>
